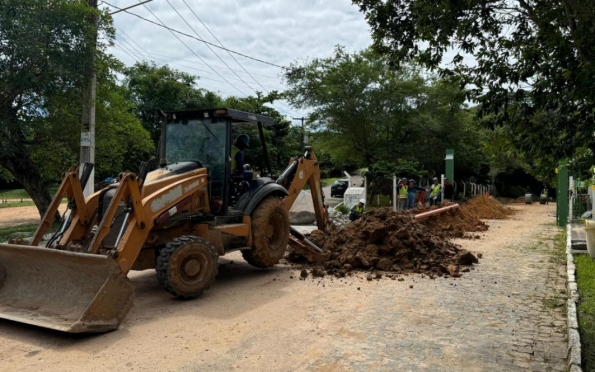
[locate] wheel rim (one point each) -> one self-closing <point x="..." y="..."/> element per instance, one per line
<point x="275" y="231"/>
<point x="193" y="268"/>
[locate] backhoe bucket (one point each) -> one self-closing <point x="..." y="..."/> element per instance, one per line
<point x="65" y="291"/>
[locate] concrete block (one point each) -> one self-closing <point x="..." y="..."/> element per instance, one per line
<point x="353" y="195"/>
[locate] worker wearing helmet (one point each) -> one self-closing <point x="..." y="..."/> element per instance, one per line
<point x="237" y="154"/>
<point x="412" y="190"/>
<point x="435" y="192"/>
<point x="357" y="210"/>
<point x="402" y="190"/>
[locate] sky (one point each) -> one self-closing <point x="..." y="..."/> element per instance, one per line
<point x="275" y="31"/>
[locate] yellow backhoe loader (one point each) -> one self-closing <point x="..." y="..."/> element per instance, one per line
<point x="178" y="218"/>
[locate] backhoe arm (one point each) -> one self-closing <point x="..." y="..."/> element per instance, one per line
<point x="304" y="170"/>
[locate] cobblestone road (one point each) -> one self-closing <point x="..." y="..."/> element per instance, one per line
<point x="506" y="315"/>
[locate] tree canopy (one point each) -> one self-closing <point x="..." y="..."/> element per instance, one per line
<point x="152" y="88"/>
<point x="46" y="49"/>
<point x="364" y="109"/>
<point x="529" y="64"/>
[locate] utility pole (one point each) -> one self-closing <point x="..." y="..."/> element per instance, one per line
<point x="88" y="120"/>
<point x="303" y="142"/>
<point x="87" y="154"/>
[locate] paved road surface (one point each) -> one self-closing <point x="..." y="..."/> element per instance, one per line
<point x="506" y="315"/>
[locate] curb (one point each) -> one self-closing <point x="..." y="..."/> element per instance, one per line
<point x="574" y="341"/>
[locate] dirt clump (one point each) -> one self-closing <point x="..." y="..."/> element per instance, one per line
<point x="487" y="208"/>
<point x="455" y="223"/>
<point x="390" y="242"/>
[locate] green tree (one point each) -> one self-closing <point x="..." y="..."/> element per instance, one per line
<point x="532" y="68"/>
<point x="45" y="49"/>
<point x="367" y="111"/>
<point x="121" y="141"/>
<point x="153" y="88"/>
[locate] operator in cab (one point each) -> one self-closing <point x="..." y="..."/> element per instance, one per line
<point x="237" y="155"/>
<point x="357" y="210"/>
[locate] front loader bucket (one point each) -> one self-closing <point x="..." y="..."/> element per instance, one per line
<point x="65" y="291"/>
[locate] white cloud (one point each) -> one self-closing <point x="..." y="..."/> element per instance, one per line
<point x="277" y="31"/>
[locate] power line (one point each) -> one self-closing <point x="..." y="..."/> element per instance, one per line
<point x="127" y="51"/>
<point x="146" y="55"/>
<point x="231" y="55"/>
<point x="121" y="48"/>
<point x="172" y="30"/>
<point x="287" y="109"/>
<point x="196" y="54"/>
<point x="177" y="59"/>
<point x="220" y="43"/>
<point x="131" y="47"/>
<point x="211" y="49"/>
<point x="130" y="38"/>
<point x="208" y="46"/>
<point x="132" y="6"/>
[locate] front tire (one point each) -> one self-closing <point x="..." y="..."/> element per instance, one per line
<point x="270" y="233"/>
<point x="187" y="266"/>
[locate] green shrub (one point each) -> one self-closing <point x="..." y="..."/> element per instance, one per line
<point x="342" y="208"/>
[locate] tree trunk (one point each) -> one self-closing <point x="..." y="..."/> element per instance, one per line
<point x="25" y="171"/>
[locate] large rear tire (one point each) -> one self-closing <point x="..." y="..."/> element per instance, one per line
<point x="187" y="266"/>
<point x="270" y="233"/>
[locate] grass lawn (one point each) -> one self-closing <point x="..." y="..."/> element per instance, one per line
<point x="21" y="194"/>
<point x="379" y="201"/>
<point x="5" y="232"/>
<point x="25" y="203"/>
<point x="328" y="181"/>
<point x="585" y="277"/>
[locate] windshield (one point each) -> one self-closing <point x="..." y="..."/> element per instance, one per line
<point x="202" y="140"/>
<point x="196" y="140"/>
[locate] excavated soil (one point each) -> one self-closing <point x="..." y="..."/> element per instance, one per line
<point x="454" y="223"/>
<point x="486" y="208"/>
<point x="390" y="242"/>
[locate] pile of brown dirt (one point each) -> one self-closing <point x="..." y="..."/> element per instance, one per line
<point x="454" y="223"/>
<point x="486" y="208"/>
<point x="388" y="241"/>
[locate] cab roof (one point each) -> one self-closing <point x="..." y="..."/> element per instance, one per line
<point x="237" y="116"/>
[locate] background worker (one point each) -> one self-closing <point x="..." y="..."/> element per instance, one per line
<point x="435" y="192"/>
<point x="357" y="210"/>
<point x="448" y="190"/>
<point x="237" y="155"/>
<point x="402" y="194"/>
<point x="544" y="193"/>
<point x="412" y="190"/>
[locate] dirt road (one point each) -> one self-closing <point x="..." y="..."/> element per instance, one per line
<point x="21" y="215"/>
<point x="504" y="315"/>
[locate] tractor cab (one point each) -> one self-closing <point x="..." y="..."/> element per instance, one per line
<point x="203" y="139"/>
